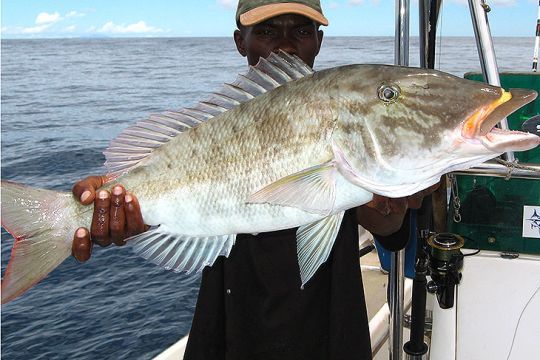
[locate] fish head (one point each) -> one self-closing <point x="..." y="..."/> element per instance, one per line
<point x="402" y="128"/>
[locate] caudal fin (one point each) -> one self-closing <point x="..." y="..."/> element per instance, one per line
<point x="40" y="222"/>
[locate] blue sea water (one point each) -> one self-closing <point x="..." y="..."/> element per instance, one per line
<point x="63" y="100"/>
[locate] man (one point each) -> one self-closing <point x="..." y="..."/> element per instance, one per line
<point x="250" y="305"/>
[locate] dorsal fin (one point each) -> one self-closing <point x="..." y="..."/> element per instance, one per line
<point x="138" y="141"/>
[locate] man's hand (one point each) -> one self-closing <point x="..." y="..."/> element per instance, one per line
<point x="384" y="216"/>
<point x="117" y="216"/>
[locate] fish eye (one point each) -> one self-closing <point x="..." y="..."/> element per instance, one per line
<point x="388" y="93"/>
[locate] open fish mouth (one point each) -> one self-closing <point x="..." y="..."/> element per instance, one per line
<point x="482" y="124"/>
<point x="498" y="140"/>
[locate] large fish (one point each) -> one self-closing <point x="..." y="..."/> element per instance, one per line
<point x="281" y="147"/>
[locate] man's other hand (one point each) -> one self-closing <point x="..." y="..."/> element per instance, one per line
<point x="384" y="216"/>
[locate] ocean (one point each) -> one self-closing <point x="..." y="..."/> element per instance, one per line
<point x="63" y="100"/>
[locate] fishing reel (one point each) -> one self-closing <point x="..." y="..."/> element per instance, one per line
<point x="444" y="265"/>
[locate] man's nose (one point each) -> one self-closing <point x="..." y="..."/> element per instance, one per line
<point x="285" y="44"/>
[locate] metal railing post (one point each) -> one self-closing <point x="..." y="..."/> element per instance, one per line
<point x="486" y="52"/>
<point x="396" y="277"/>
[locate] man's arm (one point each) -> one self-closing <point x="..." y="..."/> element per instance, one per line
<point x="384" y="216"/>
<point x="117" y="216"/>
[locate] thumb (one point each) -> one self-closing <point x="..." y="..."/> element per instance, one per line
<point x="85" y="190"/>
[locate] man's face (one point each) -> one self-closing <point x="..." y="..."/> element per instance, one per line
<point x="294" y="34"/>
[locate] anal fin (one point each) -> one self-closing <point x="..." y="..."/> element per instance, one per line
<point x="181" y="253"/>
<point x="314" y="243"/>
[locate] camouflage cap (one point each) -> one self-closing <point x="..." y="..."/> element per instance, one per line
<point x="251" y="12"/>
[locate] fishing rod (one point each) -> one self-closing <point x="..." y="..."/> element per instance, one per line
<point x="429" y="14"/>
<point x="537" y="41"/>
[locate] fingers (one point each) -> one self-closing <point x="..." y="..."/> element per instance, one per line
<point x="134" y="220"/>
<point x="380" y="204"/>
<point x="81" y="248"/>
<point x="379" y="223"/>
<point x="386" y="206"/>
<point x="100" y="219"/>
<point x="399" y="206"/>
<point x="85" y="190"/>
<point x="384" y="216"/>
<point x="415" y="200"/>
<point x="117" y="218"/>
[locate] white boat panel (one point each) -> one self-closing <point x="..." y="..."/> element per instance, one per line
<point x="496" y="314"/>
<point x="443" y="345"/>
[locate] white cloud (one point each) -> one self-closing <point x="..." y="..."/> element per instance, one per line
<point x="47" y="19"/>
<point x="73" y="14"/>
<point x="44" y="22"/>
<point x="47" y="23"/>
<point x="136" y="28"/>
<point x="230" y="4"/>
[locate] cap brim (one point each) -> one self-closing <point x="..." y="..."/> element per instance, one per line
<point x="266" y="12"/>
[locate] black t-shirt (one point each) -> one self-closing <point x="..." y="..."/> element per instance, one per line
<point x="251" y="306"/>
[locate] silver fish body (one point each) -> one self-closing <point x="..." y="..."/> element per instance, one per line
<point x="282" y="147"/>
<point x="212" y="169"/>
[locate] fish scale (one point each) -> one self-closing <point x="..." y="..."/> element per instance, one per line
<point x="281" y="147"/>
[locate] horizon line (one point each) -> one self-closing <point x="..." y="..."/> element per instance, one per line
<point x="101" y="37"/>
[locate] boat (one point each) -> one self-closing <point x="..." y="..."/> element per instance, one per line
<point x="481" y="250"/>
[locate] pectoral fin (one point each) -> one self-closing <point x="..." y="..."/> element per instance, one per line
<point x="312" y="190"/>
<point x="314" y="243"/>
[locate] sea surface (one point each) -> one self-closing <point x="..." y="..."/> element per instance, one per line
<point x="63" y="100"/>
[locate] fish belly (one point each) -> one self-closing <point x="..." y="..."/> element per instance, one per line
<point x="188" y="214"/>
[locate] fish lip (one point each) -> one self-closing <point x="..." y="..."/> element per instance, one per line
<point x="498" y="140"/>
<point x="484" y="120"/>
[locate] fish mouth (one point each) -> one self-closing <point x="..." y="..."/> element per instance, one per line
<point x="498" y="140"/>
<point x="481" y="125"/>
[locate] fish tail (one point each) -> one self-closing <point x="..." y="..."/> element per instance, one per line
<point x="41" y="222"/>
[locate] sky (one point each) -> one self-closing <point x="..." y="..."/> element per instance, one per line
<point x="173" y="18"/>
